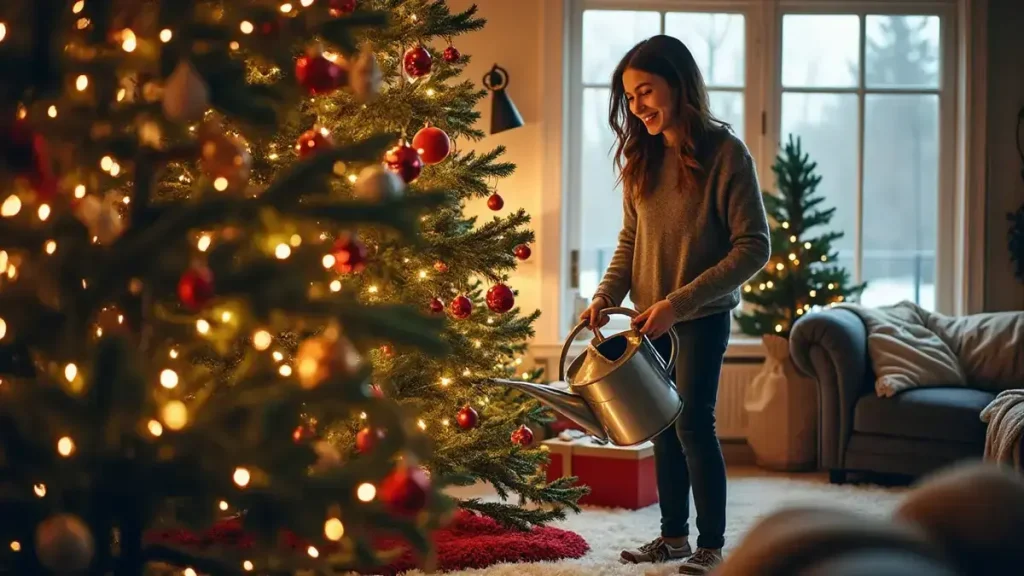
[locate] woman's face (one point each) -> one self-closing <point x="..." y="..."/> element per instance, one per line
<point x="650" y="99"/>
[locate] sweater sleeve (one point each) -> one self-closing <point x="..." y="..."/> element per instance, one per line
<point x="748" y="235"/>
<point x="618" y="278"/>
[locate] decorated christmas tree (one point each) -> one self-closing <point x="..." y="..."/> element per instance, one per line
<point x="802" y="273"/>
<point x="114" y="429"/>
<point x="408" y="80"/>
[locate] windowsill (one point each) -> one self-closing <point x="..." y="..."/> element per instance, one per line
<point x="740" y="346"/>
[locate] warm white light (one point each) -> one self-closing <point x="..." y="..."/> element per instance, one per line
<point x="175" y="414"/>
<point x="421" y="424"/>
<point x="285" y="370"/>
<point x="220" y="184"/>
<point x="225" y="316"/>
<point x="202" y="326"/>
<point x="373" y="289"/>
<point x="334" y="529"/>
<point x="121" y="93"/>
<point x="51" y="111"/>
<point x="295" y="240"/>
<point x="247" y="565"/>
<point x="44" y="211"/>
<point x="779" y="266"/>
<point x="278" y="356"/>
<point x="366" y="492"/>
<point x="3" y="328"/>
<point x="234" y="45"/>
<point x="189" y="572"/>
<point x="65" y="446"/>
<point x="223" y="506"/>
<point x="335" y="285"/>
<point x="306" y="3"/>
<point x="82" y="82"/>
<point x="155" y="428"/>
<point x="313" y="552"/>
<point x="204" y="242"/>
<point x="328" y="261"/>
<point x="50" y="247"/>
<point x="241" y="477"/>
<point x="78" y="7"/>
<point x="40" y="490"/>
<point x="286" y="8"/>
<point x="11" y="206"/>
<point x="70" y="371"/>
<point x="778" y="327"/>
<point x="80" y="191"/>
<point x="106" y="163"/>
<point x="3" y="31"/>
<point x="115" y="169"/>
<point x="261" y="340"/>
<point x="168" y="378"/>
<point x="246" y="27"/>
<point x="166" y="35"/>
<point x="282" y="251"/>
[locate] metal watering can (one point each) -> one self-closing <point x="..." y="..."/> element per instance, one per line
<point x="620" y="388"/>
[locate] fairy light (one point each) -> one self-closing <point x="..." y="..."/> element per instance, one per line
<point x="423" y="274"/>
<point x="175" y="414"/>
<point x="10" y="207"/>
<point x="70" y="372"/>
<point x="812" y="293"/>
<point x="362" y="415"/>
<point x="82" y="23"/>
<point x="306" y="3"/>
<point x="202" y="326"/>
<point x="223" y="506"/>
<point x="225" y="316"/>
<point x="785" y="225"/>
<point x="282" y="251"/>
<point x="173" y="353"/>
<point x="421" y="424"/>
<point x="831" y="286"/>
<point x="792" y="256"/>
<point x="234" y="45"/>
<point x="121" y="94"/>
<point x="747" y="288"/>
<point x="366" y="492"/>
<point x="246" y="27"/>
<point x="155" y="428"/>
<point x="247" y="566"/>
<point x="80" y="191"/>
<point x="824" y="258"/>
<point x="334" y="529"/>
<point x="446" y="422"/>
<point x="313" y="552"/>
<point x="203" y="244"/>
<point x="220" y="184"/>
<point x="286" y="8"/>
<point x="373" y="289"/>
<point x="115" y="169"/>
<point x="328" y="261"/>
<point x="106" y="163"/>
<point x="82" y="82"/>
<point x="128" y="42"/>
<point x="189" y="572"/>
<point x="168" y="378"/>
<point x="65" y="446"/>
<point x="352" y="178"/>
<point x="241" y="477"/>
<point x="446" y="381"/>
<point x="3" y="328"/>
<point x="778" y="327"/>
<point x="40" y="490"/>
<point x="43" y="212"/>
<point x="779" y="266"/>
<point x="769" y="284"/>
<point x="78" y="7"/>
<point x="261" y="340"/>
<point x="278" y="356"/>
<point x="335" y="286"/>
<point x="166" y="35"/>
<point x="50" y="247"/>
<point x="285" y="370"/>
<point x="51" y="111"/>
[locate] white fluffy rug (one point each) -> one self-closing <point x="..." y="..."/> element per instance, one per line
<point x="749" y="498"/>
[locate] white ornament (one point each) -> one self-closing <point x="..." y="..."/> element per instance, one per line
<point x="376" y="184"/>
<point x="64" y="544"/>
<point x="365" y="77"/>
<point x="186" y="97"/>
<point x="100" y="217"/>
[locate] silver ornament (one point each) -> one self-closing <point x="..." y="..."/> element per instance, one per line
<point x="186" y="97"/>
<point x="366" y="77"/>
<point x="64" y="544"/>
<point x="376" y="184"/>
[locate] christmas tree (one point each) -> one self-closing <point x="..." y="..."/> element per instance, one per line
<point x="113" y="307"/>
<point x="411" y="84"/>
<point x="802" y="274"/>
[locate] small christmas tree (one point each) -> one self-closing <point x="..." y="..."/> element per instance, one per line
<point x="801" y="274"/>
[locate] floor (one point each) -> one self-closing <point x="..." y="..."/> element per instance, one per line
<point x="753" y="493"/>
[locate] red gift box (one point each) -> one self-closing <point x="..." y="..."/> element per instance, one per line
<point x="618" y="476"/>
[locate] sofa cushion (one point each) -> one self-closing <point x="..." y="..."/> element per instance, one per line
<point x="939" y="413"/>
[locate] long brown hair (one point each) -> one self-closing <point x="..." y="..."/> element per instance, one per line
<point x="638" y="155"/>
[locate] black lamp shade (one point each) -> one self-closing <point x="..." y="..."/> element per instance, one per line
<point x="504" y="115"/>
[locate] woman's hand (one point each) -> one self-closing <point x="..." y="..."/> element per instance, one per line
<point x="593" y="314"/>
<point x="656" y="320"/>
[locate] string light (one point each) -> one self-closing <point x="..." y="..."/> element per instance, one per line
<point x="40" y="490"/>
<point x="203" y="244"/>
<point x="282" y="251"/>
<point x="261" y="340"/>
<point x="128" y="42"/>
<point x="80" y="191"/>
<point x="10" y="207"/>
<point x="166" y="35"/>
<point x="51" y="111"/>
<point x="65" y="446"/>
<point x="3" y="328"/>
<point x="50" y="247"/>
<point x="335" y="285"/>
<point x="189" y="572"/>
<point x="241" y="477"/>
<point x="306" y="3"/>
<point x="168" y="378"/>
<point x="366" y="492"/>
<point x="220" y="184"/>
<point x="15" y="546"/>
<point x="286" y="8"/>
<point x="313" y="552"/>
<point x="202" y="326"/>
<point x="334" y="529"/>
<point x="78" y="7"/>
<point x="175" y="414"/>
<point x="246" y="27"/>
<point x="155" y="428"/>
<point x="70" y="372"/>
<point x="247" y="566"/>
<point x="82" y="82"/>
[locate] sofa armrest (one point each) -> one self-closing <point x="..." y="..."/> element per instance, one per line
<point x="831" y="347"/>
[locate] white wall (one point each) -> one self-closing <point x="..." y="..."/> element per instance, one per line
<point x="517" y="37"/>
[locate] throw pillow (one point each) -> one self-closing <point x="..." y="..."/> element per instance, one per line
<point x="990" y="347"/>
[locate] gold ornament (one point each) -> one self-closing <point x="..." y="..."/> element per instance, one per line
<point x="225" y="160"/>
<point x="64" y="544"/>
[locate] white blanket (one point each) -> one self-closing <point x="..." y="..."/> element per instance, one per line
<point x="1005" y="419"/>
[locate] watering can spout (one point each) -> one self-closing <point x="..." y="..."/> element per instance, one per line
<point x="570" y="405"/>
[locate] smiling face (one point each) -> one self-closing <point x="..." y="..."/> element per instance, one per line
<point x="650" y="99"/>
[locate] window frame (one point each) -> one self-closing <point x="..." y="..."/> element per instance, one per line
<point x="763" y="89"/>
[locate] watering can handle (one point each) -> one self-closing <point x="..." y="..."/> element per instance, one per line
<point x="614" y="310"/>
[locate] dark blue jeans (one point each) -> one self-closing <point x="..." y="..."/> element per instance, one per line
<point x="688" y="454"/>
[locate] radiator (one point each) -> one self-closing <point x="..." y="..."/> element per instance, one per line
<point x="731" y="418"/>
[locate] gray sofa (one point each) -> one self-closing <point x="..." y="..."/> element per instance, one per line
<point x="913" y="433"/>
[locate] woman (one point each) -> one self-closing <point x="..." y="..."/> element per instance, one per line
<point x="694" y="230"/>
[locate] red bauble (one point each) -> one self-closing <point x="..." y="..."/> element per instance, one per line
<point x="312" y="141"/>
<point x="26" y="153"/>
<point x="522" y="436"/>
<point x="522" y="251"/>
<point x="432" y="144"/>
<point x="500" y="298"/>
<point x="319" y="75"/>
<point x="349" y="254"/>
<point x="440" y="267"/>
<point x="367" y="438"/>
<point x="467" y="417"/>
<point x="269" y="27"/>
<point x="436" y="306"/>
<point x="417" y="62"/>
<point x="195" y="288"/>
<point x="303" y="433"/>
<point x="404" y="161"/>
<point x="338" y="8"/>
<point x="405" y="490"/>
<point x="461" y="307"/>
<point x="451" y="54"/>
<point x="495" y="202"/>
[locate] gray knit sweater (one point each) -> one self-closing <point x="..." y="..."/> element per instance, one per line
<point x="693" y="247"/>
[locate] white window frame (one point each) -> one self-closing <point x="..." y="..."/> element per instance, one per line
<point x="762" y="115"/>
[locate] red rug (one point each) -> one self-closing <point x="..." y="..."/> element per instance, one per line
<point x="469" y="541"/>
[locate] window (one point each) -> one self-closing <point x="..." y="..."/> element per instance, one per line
<point x="867" y="87"/>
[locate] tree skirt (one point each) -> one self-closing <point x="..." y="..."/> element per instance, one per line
<point x="469" y="541"/>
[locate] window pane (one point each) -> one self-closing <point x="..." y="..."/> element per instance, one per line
<point x="608" y="35"/>
<point x="600" y="198"/>
<point x="902" y="52"/>
<point x="717" y="42"/>
<point x="901" y="196"/>
<point x="827" y="127"/>
<point x="820" y="50"/>
<point x="728" y="107"/>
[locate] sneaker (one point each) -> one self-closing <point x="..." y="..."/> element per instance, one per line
<point x="702" y="561"/>
<point x="656" y="550"/>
